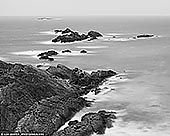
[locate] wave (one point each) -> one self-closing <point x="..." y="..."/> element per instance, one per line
<point x="109" y="86"/>
<point x="3" y="59"/>
<point x="47" y="33"/>
<point x="59" y="43"/>
<point x="91" y="47"/>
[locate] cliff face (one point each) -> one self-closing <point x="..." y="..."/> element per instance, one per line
<point x="21" y="87"/>
<point x="34" y="100"/>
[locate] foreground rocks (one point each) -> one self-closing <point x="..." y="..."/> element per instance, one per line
<point x="69" y="35"/>
<point x="34" y="100"/>
<point x="90" y="123"/>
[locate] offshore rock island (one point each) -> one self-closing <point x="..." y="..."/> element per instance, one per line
<point x="67" y="35"/>
<point x="35" y="100"/>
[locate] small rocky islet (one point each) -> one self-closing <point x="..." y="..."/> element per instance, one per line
<point x="41" y="101"/>
<point x="67" y="35"/>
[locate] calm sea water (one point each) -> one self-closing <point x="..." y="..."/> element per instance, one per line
<point x="141" y="94"/>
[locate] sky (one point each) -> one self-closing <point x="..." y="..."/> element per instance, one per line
<point x="83" y="7"/>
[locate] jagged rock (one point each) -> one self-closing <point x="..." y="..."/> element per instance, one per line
<point x="67" y="30"/>
<point x="68" y="51"/>
<point x="90" y="123"/>
<point x="79" y="77"/>
<point x="94" y="34"/>
<point x="83" y="51"/>
<point x="71" y="36"/>
<point x="50" y="114"/>
<point x="73" y="122"/>
<point x="57" y="31"/>
<point x="35" y="100"/>
<point x="21" y="86"/>
<point x="60" y="71"/>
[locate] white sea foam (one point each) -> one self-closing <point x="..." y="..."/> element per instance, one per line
<point x="91" y="47"/>
<point x="59" y="43"/>
<point x="109" y="86"/>
<point x="34" y="53"/>
<point x="48" y="33"/>
<point x="2" y="58"/>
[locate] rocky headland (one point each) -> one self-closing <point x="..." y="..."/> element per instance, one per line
<point x="35" y="100"/>
<point x="67" y="35"/>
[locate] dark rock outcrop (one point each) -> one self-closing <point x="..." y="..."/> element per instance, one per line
<point x="67" y="30"/>
<point x="45" y="55"/>
<point x="50" y="114"/>
<point x="57" y="31"/>
<point x="94" y="34"/>
<point x="69" y="35"/>
<point x="79" y="77"/>
<point x="48" y="53"/>
<point x="20" y="87"/>
<point x="60" y="71"/>
<point x="83" y="51"/>
<point x="35" y="100"/>
<point x="90" y="123"/>
<point x="66" y="51"/>
<point x="46" y="58"/>
<point x="144" y="36"/>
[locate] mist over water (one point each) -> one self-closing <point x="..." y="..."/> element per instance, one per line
<point x="140" y="94"/>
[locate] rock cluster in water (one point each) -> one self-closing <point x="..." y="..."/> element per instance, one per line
<point x="35" y="100"/>
<point x="46" y="55"/>
<point x="69" y="35"/>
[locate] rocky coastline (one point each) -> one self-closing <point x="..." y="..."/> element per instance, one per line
<point x="36" y="100"/>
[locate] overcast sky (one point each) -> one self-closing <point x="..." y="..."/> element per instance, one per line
<point x="83" y="7"/>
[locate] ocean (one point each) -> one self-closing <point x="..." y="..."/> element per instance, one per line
<point x="140" y="93"/>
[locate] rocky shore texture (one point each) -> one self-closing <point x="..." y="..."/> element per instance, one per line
<point x="35" y="100"/>
<point x="67" y="35"/>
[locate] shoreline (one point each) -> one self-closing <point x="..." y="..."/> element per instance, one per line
<point x="74" y="104"/>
